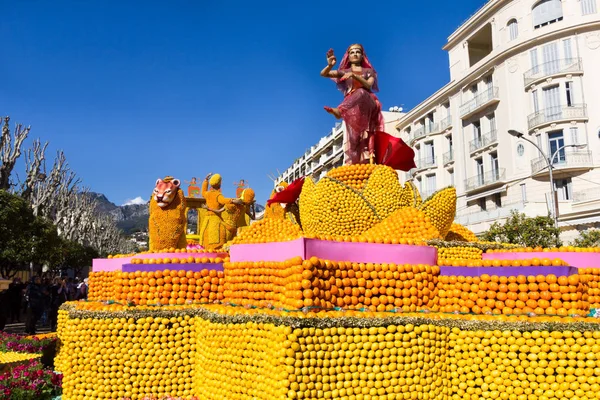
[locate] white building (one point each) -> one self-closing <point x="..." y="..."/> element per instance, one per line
<point x="328" y="153"/>
<point x="530" y="66"/>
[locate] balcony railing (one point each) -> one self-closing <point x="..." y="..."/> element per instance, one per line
<point x="430" y="127"/>
<point x="426" y="162"/>
<point x="448" y="157"/>
<point x="446" y="123"/>
<point x="564" y="159"/>
<point x="551" y="114"/>
<point x="483" y="141"/>
<point x="587" y="195"/>
<point x="479" y="101"/>
<point x="553" y="67"/>
<point x="485" y="179"/>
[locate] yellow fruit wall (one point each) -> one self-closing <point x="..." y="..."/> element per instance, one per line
<point x="224" y="352"/>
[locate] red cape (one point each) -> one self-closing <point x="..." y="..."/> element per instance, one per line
<point x="289" y="194"/>
<point x="393" y="152"/>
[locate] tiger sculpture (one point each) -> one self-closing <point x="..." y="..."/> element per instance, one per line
<point x="167" y="221"/>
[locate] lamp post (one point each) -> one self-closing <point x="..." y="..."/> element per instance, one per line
<point x="550" y="162"/>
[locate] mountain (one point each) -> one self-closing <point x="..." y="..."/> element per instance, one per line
<point x="134" y="218"/>
<point x="130" y="218"/>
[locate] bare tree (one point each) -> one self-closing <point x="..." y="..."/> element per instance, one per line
<point x="9" y="151"/>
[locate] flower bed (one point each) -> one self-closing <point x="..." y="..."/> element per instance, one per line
<point x="30" y="381"/>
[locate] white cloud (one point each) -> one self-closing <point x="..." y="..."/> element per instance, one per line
<point x="137" y="200"/>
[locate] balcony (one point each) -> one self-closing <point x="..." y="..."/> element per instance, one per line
<point x="555" y="114"/>
<point x="479" y="102"/>
<point x="564" y="160"/>
<point x="448" y="157"/>
<point x="426" y="162"/>
<point x="565" y="66"/>
<point x="425" y="130"/>
<point x="446" y="123"/>
<point x="486" y="179"/>
<point x="484" y="141"/>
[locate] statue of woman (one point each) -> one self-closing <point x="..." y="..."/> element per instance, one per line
<point x="361" y="109"/>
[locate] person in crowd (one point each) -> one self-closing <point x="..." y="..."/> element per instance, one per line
<point x="4" y="308"/>
<point x="82" y="290"/>
<point x="59" y="295"/>
<point x="14" y="300"/>
<point x="35" y="298"/>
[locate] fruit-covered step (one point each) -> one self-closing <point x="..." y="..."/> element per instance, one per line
<point x="584" y="259"/>
<point x="334" y="251"/>
<point x="325" y="284"/>
<point x="181" y="266"/>
<point x="116" y="263"/>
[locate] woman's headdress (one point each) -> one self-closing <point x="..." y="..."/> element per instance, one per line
<point x="345" y="63"/>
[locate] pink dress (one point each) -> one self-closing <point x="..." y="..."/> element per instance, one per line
<point x="361" y="111"/>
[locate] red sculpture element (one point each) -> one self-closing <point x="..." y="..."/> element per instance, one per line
<point x="393" y="152"/>
<point x="288" y="195"/>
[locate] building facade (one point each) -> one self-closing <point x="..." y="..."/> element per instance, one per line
<point x="527" y="66"/>
<point x="328" y="153"/>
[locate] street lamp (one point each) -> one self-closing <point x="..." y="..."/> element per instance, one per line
<point x="550" y="162"/>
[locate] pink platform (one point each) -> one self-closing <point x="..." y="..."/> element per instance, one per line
<point x="334" y="251"/>
<point x="579" y="260"/>
<point x="116" y="264"/>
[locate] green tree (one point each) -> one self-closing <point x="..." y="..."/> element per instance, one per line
<point x="525" y="231"/>
<point x="589" y="238"/>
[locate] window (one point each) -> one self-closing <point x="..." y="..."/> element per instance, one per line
<point x="568" y="54"/>
<point x="489" y="83"/>
<point x="430" y="182"/>
<point x="556" y="142"/>
<point x="520" y="149"/>
<point x="588" y="7"/>
<point x="552" y="109"/>
<point x="546" y="12"/>
<point x="570" y="95"/>
<point x="513" y="29"/>
<point x="574" y="135"/>
<point x="533" y="55"/>
<point x="477" y="131"/>
<point x="479" y="168"/>
<point x="536" y="103"/>
<point x="492" y="122"/>
<point x="451" y="176"/>
<point x="498" y="200"/>
<point x="551" y="58"/>
<point x="482" y="204"/>
<point x="563" y="189"/>
<point x="429" y="153"/>
<point x="523" y="193"/>
<point x="495" y="166"/>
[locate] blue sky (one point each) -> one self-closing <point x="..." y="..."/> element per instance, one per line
<point x="133" y="91"/>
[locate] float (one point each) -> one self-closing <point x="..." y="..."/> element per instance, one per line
<point x="352" y="287"/>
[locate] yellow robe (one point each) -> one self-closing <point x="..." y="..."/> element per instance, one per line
<point x="213" y="231"/>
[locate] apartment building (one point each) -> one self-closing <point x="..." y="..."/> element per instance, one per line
<point x="328" y="153"/>
<point x="526" y="66"/>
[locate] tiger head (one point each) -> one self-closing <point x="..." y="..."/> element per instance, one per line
<point x="278" y="188"/>
<point x="165" y="191"/>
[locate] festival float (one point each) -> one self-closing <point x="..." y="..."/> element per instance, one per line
<point x="352" y="287"/>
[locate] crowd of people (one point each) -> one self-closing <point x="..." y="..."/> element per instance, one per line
<point x="38" y="300"/>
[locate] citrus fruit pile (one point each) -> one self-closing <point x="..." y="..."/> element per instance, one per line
<point x="520" y="295"/>
<point x="404" y="224"/>
<point x="126" y="357"/>
<point x="441" y="209"/>
<point x="269" y="230"/>
<point x="451" y="255"/>
<point x="592" y="277"/>
<point x="460" y="233"/>
<point x="101" y="285"/>
<point x="326" y="284"/>
<point x="9" y="357"/>
<point x="167" y="286"/>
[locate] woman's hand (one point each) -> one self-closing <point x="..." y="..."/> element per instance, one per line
<point x="331" y="60"/>
<point x="208" y="176"/>
<point x="348" y="75"/>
